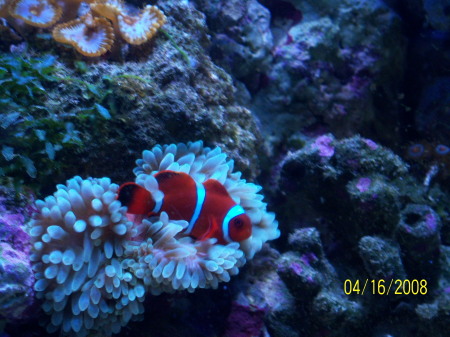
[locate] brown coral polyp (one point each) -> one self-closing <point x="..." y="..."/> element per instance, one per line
<point x="90" y="36"/>
<point x="38" y="13"/>
<point x="139" y="29"/>
<point x="134" y="29"/>
<point x="108" y="9"/>
<point x="94" y="33"/>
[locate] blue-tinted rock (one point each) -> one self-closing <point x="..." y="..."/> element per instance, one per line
<point x="242" y="39"/>
<point x="331" y="67"/>
<point x="418" y="233"/>
<point x="16" y="276"/>
<point x="381" y="258"/>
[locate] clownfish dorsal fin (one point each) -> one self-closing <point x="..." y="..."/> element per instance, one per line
<point x="175" y="178"/>
<point x="215" y="187"/>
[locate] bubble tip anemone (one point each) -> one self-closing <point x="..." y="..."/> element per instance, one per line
<point x="93" y="267"/>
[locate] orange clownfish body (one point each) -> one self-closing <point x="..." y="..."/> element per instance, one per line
<point x="208" y="207"/>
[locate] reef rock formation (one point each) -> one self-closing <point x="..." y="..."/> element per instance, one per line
<point x="16" y="276"/>
<point x="372" y="221"/>
<point x="331" y="66"/>
<point x="242" y="40"/>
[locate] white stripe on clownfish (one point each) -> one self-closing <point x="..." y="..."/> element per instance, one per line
<point x="201" y="195"/>
<point x="232" y="212"/>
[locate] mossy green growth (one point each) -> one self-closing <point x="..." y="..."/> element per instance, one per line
<point x="30" y="135"/>
<point x="176" y="46"/>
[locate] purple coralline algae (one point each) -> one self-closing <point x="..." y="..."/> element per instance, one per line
<point x="358" y="173"/>
<point x="245" y="319"/>
<point x="363" y="184"/>
<point x="418" y="233"/>
<point x="264" y="295"/>
<point x="324" y="145"/>
<point x="322" y="306"/>
<point x="16" y="276"/>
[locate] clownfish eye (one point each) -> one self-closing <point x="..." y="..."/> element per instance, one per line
<point x="442" y="149"/>
<point x="238" y="223"/>
<point x="416" y="150"/>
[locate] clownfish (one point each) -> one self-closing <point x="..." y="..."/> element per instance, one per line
<point x="208" y="207"/>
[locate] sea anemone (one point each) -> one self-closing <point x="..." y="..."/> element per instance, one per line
<point x="80" y="235"/>
<point x="94" y="262"/>
<point x="168" y="260"/>
<point x="203" y="163"/>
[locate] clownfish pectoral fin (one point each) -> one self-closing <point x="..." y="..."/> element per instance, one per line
<point x="214" y="186"/>
<point x="137" y="199"/>
<point x="207" y="232"/>
<point x="210" y="232"/>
